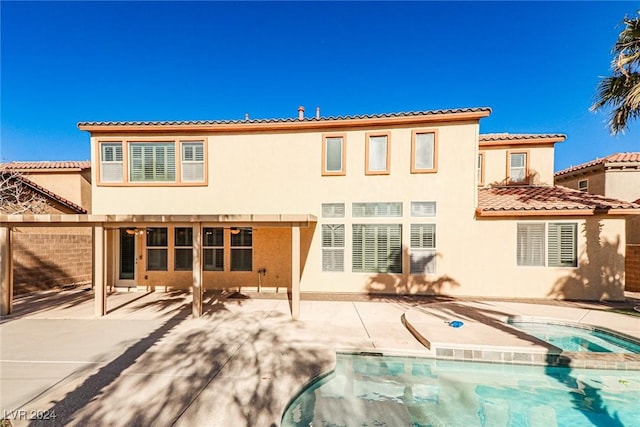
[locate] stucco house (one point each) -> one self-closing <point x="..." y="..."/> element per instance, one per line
<point x="617" y="176"/>
<point x="402" y="203"/>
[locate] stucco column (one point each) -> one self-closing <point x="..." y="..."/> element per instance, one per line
<point x="6" y="272"/>
<point x="295" y="272"/>
<point x="198" y="288"/>
<point x="99" y="267"/>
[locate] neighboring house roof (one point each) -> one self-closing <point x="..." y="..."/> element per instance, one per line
<point x="47" y="166"/>
<point x="501" y="139"/>
<point x="547" y="200"/>
<point x="306" y="122"/>
<point x="50" y="194"/>
<point x="617" y="159"/>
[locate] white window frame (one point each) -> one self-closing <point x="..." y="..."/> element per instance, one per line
<point x="583" y="185"/>
<point x="192" y="166"/>
<point x="333" y="242"/>
<point x="557" y="244"/>
<point x="523" y="170"/>
<point x="423" y="246"/>
<point x="111" y="170"/>
<point x="373" y="252"/>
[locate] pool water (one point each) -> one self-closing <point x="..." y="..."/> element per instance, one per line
<point x="396" y="391"/>
<point x="578" y="339"/>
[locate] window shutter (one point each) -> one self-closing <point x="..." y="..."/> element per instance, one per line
<point x="423" y="209"/>
<point x="333" y="210"/>
<point x="332" y="247"/>
<point x="377" y="248"/>
<point x="423" y="255"/>
<point x="192" y="162"/>
<point x="152" y="162"/>
<point x="382" y="209"/>
<point x="562" y="245"/>
<point x="530" y="244"/>
<point x="111" y="163"/>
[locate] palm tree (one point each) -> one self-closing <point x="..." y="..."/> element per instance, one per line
<point x="621" y="91"/>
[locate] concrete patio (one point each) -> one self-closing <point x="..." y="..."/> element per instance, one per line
<point x="150" y="362"/>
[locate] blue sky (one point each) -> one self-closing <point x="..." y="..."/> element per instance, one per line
<point x="535" y="64"/>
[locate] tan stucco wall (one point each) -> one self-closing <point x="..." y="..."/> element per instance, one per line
<point x="623" y="184"/>
<point x="496" y="159"/>
<point x="73" y="186"/>
<point x="596" y="182"/>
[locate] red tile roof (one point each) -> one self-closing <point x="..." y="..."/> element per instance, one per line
<point x="519" y="136"/>
<point x="49" y="165"/>
<point x="633" y="157"/>
<point x="486" y="110"/>
<point x="541" y="200"/>
<point x="50" y="194"/>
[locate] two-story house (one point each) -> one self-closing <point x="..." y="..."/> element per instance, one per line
<point x="403" y="203"/>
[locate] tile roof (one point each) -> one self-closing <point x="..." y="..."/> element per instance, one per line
<point x="293" y="119"/>
<point x="48" y="165"/>
<point x="50" y="194"/>
<point x="518" y="136"/>
<point x="633" y="157"/>
<point x="546" y="199"/>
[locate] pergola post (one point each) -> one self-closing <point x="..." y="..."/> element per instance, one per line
<point x="6" y="272"/>
<point x="295" y="272"/>
<point x="99" y="270"/>
<point x="197" y="288"/>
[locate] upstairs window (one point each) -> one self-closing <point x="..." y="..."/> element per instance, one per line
<point x="583" y="185"/>
<point x="333" y="155"/>
<point x="518" y="167"/>
<point x="152" y="162"/>
<point x="111" y="168"/>
<point x="377" y="154"/>
<point x="192" y="167"/>
<point x="424" y="148"/>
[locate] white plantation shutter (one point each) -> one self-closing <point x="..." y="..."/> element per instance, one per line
<point x="192" y="162"/>
<point x="332" y="247"/>
<point x="152" y="162"/>
<point x="423" y="254"/>
<point x="518" y="167"/>
<point x="111" y="162"/>
<point x="423" y="209"/>
<point x="333" y="210"/>
<point x="562" y="245"/>
<point x="530" y="244"/>
<point x="377" y="248"/>
<point x="382" y="209"/>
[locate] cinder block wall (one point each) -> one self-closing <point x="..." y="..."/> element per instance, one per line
<point x="632" y="268"/>
<point x="48" y="258"/>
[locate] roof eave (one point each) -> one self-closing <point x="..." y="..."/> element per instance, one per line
<point x="424" y="119"/>
<point x="557" y="212"/>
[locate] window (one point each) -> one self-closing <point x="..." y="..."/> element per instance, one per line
<point x="213" y="246"/>
<point x="480" y="169"/>
<point x="332" y="247"/>
<point x="192" y="166"/>
<point x="241" y="249"/>
<point x="583" y="185"/>
<point x="111" y="162"/>
<point x="152" y="162"/>
<point x="561" y="244"/>
<point x="183" y="241"/>
<point x="333" y="210"/>
<point x="424" y="148"/>
<point x="530" y="244"/>
<point x="423" y="254"/>
<point x="333" y="155"/>
<point x="157" y="244"/>
<point x="377" y="248"/>
<point x="518" y="167"/>
<point x="423" y="209"/>
<point x="377" y="154"/>
<point x="381" y="209"/>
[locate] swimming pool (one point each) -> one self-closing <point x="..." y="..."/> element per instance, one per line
<point x="403" y="391"/>
<point x="577" y="338"/>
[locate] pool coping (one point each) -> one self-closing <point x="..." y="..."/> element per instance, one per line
<point x="540" y="354"/>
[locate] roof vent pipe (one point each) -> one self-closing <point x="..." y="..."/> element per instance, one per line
<point x="246" y="116"/>
<point x="317" y="113"/>
<point x="301" y="113"/>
